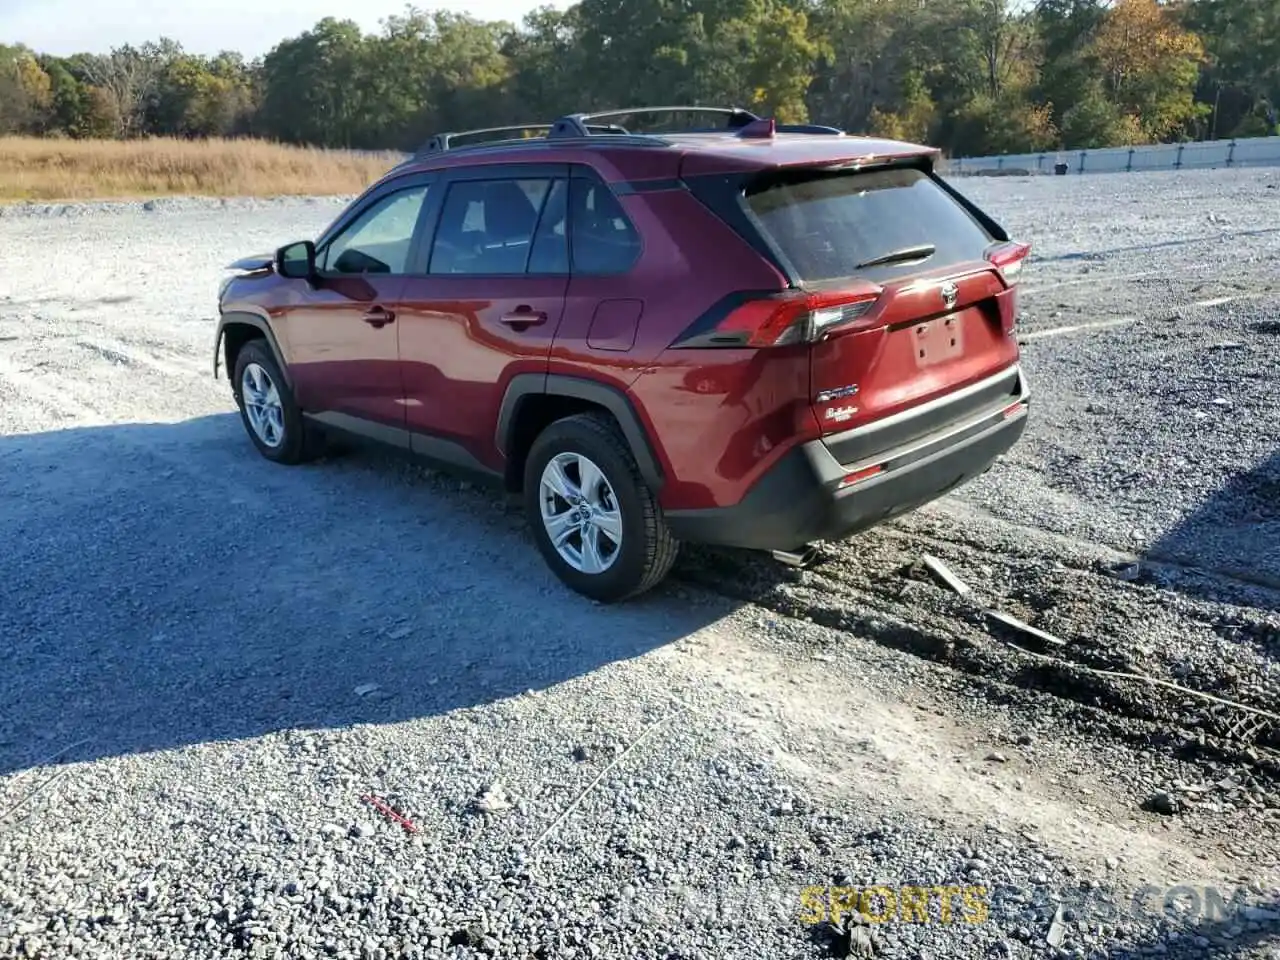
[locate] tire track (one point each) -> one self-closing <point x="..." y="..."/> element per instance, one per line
<point x="868" y="588"/>
<point x="122" y="354"/>
<point x="56" y="402"/>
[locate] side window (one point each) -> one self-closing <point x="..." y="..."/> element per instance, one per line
<point x="487" y="226"/>
<point x="551" y="242"/>
<point x="603" y="239"/>
<point x="379" y="239"/>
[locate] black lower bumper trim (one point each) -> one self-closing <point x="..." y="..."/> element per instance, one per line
<point x="800" y="499"/>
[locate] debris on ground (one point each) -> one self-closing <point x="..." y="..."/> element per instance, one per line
<point x="1128" y="572"/>
<point x="852" y="937"/>
<point x="1163" y="802"/>
<point x="944" y="575"/>
<point x="1057" y="929"/>
<point x="492" y="799"/>
<point x="600" y="776"/>
<point x="1025" y="629"/>
<point x="386" y="810"/>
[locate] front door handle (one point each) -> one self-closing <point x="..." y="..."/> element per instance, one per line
<point x="523" y="317"/>
<point x="379" y="317"/>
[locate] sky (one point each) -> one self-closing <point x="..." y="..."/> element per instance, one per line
<point x="63" y="27"/>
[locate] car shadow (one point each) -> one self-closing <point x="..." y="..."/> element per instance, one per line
<point x="162" y="585"/>
<point x="1228" y="548"/>
<point x="1249" y="931"/>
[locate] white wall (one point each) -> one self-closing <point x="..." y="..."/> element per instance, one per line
<point x="1255" y="152"/>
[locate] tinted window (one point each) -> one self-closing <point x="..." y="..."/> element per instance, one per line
<point x="603" y="239"/>
<point x="379" y="239"/>
<point x="826" y="224"/>
<point x="551" y="243"/>
<point x="487" y="226"/>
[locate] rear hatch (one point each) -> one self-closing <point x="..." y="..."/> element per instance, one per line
<point x="904" y="290"/>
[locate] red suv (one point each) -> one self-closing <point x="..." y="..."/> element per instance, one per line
<point x="751" y="335"/>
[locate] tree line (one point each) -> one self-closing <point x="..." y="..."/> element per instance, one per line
<point x="971" y="76"/>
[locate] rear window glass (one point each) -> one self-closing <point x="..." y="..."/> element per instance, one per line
<point x="827" y="224"/>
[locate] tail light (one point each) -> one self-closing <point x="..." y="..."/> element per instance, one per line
<point x="1008" y="258"/>
<point x="781" y="319"/>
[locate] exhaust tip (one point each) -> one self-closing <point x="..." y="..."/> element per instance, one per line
<point x="800" y="558"/>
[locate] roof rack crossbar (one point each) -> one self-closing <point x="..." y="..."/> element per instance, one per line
<point x="443" y="141"/>
<point x="814" y="128"/>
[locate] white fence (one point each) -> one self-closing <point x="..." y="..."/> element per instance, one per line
<point x="1210" y="155"/>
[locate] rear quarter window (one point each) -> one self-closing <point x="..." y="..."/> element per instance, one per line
<point x="828" y="223"/>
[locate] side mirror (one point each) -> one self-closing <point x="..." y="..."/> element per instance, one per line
<point x="297" y="261"/>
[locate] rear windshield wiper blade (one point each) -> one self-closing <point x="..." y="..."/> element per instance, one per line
<point x="921" y="251"/>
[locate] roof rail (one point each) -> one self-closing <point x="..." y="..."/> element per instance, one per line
<point x="578" y="124"/>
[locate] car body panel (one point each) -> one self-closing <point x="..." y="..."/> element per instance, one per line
<point x="458" y="354"/>
<point x="340" y="363"/>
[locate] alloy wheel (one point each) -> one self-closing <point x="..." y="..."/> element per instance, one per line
<point x="580" y="513"/>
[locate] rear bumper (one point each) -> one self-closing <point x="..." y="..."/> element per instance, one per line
<point x="803" y="497"/>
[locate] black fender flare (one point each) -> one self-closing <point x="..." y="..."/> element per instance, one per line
<point x="245" y="319"/>
<point x="526" y="385"/>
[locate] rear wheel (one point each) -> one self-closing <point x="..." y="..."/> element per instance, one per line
<point x="268" y="411"/>
<point x="596" y="522"/>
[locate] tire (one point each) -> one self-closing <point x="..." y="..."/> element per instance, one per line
<point x="295" y="441"/>
<point x="646" y="551"/>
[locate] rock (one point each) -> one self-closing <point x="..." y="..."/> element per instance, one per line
<point x="362" y="830"/>
<point x="493" y="799"/>
<point x="1162" y="802"/>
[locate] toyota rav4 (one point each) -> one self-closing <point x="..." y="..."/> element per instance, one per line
<point x="746" y="334"/>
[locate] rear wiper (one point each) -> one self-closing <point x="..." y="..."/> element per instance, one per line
<point x="921" y="251"/>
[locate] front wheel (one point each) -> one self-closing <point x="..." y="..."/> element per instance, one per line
<point x="270" y="415"/>
<point x="596" y="522"/>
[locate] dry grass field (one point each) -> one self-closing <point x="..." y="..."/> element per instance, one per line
<point x="36" y="169"/>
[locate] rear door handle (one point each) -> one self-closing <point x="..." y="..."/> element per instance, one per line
<point x="379" y="317"/>
<point x="523" y="317"/>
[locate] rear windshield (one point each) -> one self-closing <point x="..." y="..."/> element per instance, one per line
<point x="828" y="223"/>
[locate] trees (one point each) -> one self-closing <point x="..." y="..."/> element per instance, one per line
<point x="1148" y="65"/>
<point x="26" y="92"/>
<point x="972" y="76"/>
<point x="1240" y="82"/>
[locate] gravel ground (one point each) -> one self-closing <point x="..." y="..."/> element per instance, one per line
<point x="209" y="661"/>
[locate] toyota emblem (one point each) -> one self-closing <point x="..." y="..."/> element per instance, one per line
<point x="950" y="294"/>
